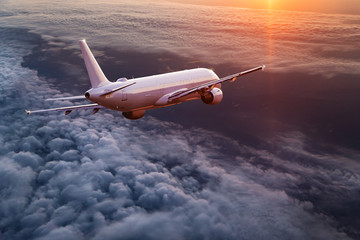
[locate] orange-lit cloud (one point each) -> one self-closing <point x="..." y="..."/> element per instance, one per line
<point x="326" y="6"/>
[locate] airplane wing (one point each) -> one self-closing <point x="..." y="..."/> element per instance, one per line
<point x="110" y="91"/>
<point x="210" y="85"/>
<point x="94" y="106"/>
<point x="67" y="98"/>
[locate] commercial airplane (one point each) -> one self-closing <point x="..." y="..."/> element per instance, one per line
<point x="133" y="97"/>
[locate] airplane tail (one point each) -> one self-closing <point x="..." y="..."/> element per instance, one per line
<point x="96" y="75"/>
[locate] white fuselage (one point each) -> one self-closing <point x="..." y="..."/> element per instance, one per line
<point x="145" y="92"/>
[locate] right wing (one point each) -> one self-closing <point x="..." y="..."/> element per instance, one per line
<point x="210" y="85"/>
<point x="94" y="106"/>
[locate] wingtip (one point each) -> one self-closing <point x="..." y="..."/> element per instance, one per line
<point x="28" y="112"/>
<point x="263" y="67"/>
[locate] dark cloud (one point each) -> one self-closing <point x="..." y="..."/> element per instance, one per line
<point x="62" y="233"/>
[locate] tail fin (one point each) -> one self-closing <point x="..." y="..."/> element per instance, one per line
<point x="96" y="75"/>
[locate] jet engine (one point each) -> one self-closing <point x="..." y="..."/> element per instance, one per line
<point x="213" y="97"/>
<point x="134" y="115"/>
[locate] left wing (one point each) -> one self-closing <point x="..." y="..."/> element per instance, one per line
<point x="94" y="106"/>
<point x="66" y="98"/>
<point x="210" y="85"/>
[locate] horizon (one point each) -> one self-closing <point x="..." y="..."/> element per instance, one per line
<point x="334" y="7"/>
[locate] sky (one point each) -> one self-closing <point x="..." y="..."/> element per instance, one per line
<point x="278" y="158"/>
<point x="325" y="6"/>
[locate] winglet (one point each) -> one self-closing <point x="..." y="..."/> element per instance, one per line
<point x="96" y="75"/>
<point x="263" y="67"/>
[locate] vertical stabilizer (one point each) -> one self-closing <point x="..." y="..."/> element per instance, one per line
<point x="96" y="75"/>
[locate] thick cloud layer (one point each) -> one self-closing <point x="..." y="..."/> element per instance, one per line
<point x="285" y="41"/>
<point x="103" y="177"/>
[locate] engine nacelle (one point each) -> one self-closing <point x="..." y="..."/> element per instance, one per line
<point x="213" y="97"/>
<point x="134" y="115"/>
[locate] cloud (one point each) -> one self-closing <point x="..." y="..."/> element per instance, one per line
<point x="101" y="176"/>
<point x="62" y="233"/>
<point x="59" y="144"/>
<point x="27" y="159"/>
<point x="320" y="44"/>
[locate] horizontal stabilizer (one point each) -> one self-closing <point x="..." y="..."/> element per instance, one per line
<point x="66" y="109"/>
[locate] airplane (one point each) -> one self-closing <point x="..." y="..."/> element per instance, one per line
<point x="133" y="97"/>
